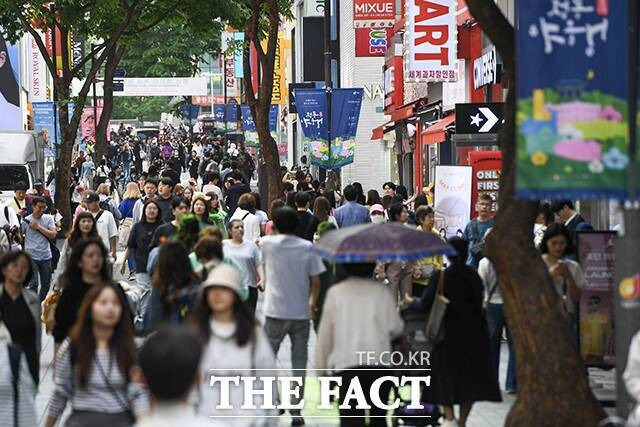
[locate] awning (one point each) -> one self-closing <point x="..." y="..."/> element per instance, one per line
<point x="378" y="133"/>
<point x="402" y="113"/>
<point x="435" y="133"/>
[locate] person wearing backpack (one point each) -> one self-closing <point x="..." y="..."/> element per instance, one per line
<point x="102" y="173"/>
<point x="107" y="202"/>
<point x="476" y="229"/>
<point x="106" y="224"/>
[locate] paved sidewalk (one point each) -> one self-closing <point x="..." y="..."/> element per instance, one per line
<point x="484" y="414"/>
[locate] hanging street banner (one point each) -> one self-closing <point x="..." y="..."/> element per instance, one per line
<point x="312" y="111"/>
<point x="231" y="116"/>
<point x="280" y="91"/>
<point x="345" y="115"/>
<point x="10" y="113"/>
<point x="249" y="127"/>
<point x="572" y="116"/>
<point x="37" y="71"/>
<point x="43" y="121"/>
<point x="219" y="113"/>
<point x="373" y="13"/>
<point x="430" y="41"/>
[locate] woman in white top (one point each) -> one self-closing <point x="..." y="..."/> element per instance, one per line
<point x="236" y="345"/>
<point x="245" y="213"/>
<point x="567" y="275"/>
<point x="247" y="256"/>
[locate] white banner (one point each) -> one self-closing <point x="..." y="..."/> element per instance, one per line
<point x="452" y="198"/>
<point x="430" y="40"/>
<point x="154" y="86"/>
<point x="37" y="71"/>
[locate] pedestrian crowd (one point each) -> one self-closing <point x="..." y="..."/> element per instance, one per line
<point x="201" y="250"/>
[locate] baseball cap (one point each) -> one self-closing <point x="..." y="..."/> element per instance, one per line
<point x="92" y="197"/>
<point x="226" y="276"/>
<point x="376" y="208"/>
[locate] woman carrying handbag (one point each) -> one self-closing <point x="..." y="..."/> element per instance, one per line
<point x="462" y="372"/>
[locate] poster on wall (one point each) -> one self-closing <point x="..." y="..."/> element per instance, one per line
<point x="373" y="13"/>
<point x="10" y="114"/>
<point x="431" y="40"/>
<point x="572" y="128"/>
<point x="487" y="168"/>
<point x="596" y="255"/>
<point x="452" y="199"/>
<point x="372" y="41"/>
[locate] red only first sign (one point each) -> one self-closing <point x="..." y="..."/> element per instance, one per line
<point x="431" y="38"/>
<point x="372" y="41"/>
<point x="373" y="13"/>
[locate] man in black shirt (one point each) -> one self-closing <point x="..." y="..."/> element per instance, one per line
<point x="179" y="207"/>
<point x="307" y="223"/>
<point x="164" y="199"/>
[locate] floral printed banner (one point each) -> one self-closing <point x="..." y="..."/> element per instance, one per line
<point x="572" y="115"/>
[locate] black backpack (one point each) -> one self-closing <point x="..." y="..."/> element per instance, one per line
<point x="477" y="244"/>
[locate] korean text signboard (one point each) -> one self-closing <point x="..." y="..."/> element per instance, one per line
<point x="373" y="13"/>
<point x="249" y="127"/>
<point x="572" y="127"/>
<point x="430" y="40"/>
<point x="596" y="255"/>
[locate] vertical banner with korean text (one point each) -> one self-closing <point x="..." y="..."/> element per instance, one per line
<point x="596" y="256"/>
<point x="452" y="199"/>
<point x="572" y="116"/>
<point x="430" y="40"/>
<point x="249" y="127"/>
<point x="219" y="113"/>
<point x="345" y="114"/>
<point x="231" y="116"/>
<point x="312" y="107"/>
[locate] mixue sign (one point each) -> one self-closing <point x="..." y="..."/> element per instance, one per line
<point x="430" y="40"/>
<point x="373" y="13"/>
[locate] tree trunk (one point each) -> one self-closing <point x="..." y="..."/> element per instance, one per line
<point x="271" y="158"/>
<point x="113" y="59"/>
<point x="68" y="137"/>
<point x="552" y="385"/>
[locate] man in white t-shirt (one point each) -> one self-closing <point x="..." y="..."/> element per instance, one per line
<point x="105" y="223"/>
<point x="292" y="285"/>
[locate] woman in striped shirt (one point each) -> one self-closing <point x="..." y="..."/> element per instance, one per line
<point x="93" y="365"/>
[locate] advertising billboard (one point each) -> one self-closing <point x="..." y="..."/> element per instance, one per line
<point x="10" y="117"/>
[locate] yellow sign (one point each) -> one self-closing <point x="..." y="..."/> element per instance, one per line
<point x="280" y="93"/>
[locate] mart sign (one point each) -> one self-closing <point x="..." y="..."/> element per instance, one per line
<point x="430" y="40"/>
<point x="373" y="13"/>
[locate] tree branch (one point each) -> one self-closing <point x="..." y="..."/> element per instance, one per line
<point x="36" y="36"/>
<point x="87" y="58"/>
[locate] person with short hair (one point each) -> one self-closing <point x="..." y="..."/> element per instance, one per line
<point x="164" y="198"/>
<point x="476" y="228"/>
<point x="389" y="189"/>
<point x="179" y="207"/>
<point x="292" y="285"/>
<point x="247" y="256"/>
<point x="19" y="203"/>
<point x="150" y="188"/>
<point x="39" y="229"/>
<point x="105" y="223"/>
<point x="170" y="388"/>
<point x="566" y="214"/>
<point x="307" y="222"/>
<point x="351" y="213"/>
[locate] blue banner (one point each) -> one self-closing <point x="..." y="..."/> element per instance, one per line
<point x="231" y="116"/>
<point x="312" y="112"/>
<point x="249" y="127"/>
<point x="273" y="118"/>
<point x="345" y="114"/>
<point x="189" y="111"/>
<point x="238" y="65"/>
<point x="43" y="121"/>
<point x="219" y="111"/>
<point x="572" y="118"/>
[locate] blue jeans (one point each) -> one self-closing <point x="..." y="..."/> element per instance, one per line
<point x="496" y="322"/>
<point x="298" y="331"/>
<point x="126" y="170"/>
<point x="131" y="261"/>
<point x="41" y="270"/>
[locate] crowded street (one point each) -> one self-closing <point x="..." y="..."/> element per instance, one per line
<point x="319" y="212"/>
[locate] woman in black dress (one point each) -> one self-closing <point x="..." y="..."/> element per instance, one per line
<point x="462" y="372"/>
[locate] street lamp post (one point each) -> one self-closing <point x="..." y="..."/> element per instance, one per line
<point x="327" y="77"/>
